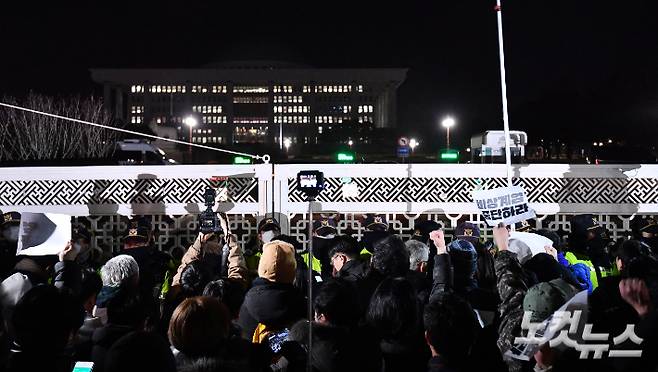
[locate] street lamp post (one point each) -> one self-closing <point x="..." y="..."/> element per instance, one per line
<point x="191" y="122"/>
<point x="448" y="123"/>
<point x="287" y="143"/>
<point x="413" y="143"/>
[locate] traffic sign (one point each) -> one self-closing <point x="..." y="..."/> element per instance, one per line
<point x="449" y="155"/>
<point x="403" y="142"/>
<point x="241" y="160"/>
<point x="403" y="152"/>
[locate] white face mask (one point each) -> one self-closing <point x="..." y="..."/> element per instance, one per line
<point x="268" y="236"/>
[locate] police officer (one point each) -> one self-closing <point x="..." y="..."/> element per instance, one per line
<point x="376" y="229"/>
<point x="324" y="230"/>
<point x="646" y="231"/>
<point x="589" y="243"/>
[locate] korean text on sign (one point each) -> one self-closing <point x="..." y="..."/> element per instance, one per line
<point x="506" y="204"/>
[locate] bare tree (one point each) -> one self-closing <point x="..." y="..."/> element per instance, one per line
<point x="26" y="136"/>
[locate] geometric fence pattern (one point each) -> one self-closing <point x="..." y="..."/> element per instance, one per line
<point x="458" y="190"/>
<point x="122" y="191"/>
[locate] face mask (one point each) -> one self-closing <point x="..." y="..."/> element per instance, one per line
<point x="10" y="234"/>
<point x="268" y="236"/>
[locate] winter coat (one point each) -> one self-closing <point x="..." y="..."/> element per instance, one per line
<point x="438" y="364"/>
<point x="237" y="267"/>
<point x="337" y="348"/>
<point x="478" y="298"/>
<point x="512" y="287"/>
<point x="408" y="354"/>
<point x="102" y="341"/>
<point x="608" y="312"/>
<point x="83" y="341"/>
<point x="275" y="305"/>
<point x="352" y="270"/>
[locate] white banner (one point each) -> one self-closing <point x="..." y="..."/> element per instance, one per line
<point x="42" y="234"/>
<point x="505" y="204"/>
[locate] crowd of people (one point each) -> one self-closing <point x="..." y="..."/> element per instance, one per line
<point x="378" y="303"/>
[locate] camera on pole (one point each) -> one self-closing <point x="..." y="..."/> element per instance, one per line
<point x="311" y="183"/>
<point x="208" y="220"/>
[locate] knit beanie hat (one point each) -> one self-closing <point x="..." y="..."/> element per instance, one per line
<point x="277" y="263"/>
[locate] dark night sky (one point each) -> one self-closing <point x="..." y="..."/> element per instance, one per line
<point x="577" y="69"/>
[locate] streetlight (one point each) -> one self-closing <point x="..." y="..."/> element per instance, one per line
<point x="413" y="144"/>
<point x="447" y="123"/>
<point x="191" y="122"/>
<point x="287" y="143"/>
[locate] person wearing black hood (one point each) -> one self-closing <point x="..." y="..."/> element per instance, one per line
<point x="455" y="269"/>
<point x="486" y="273"/>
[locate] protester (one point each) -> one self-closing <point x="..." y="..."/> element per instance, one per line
<point x="486" y="273"/>
<point x="451" y="330"/>
<point x="91" y="287"/>
<point x="418" y="255"/>
<point x="455" y="267"/>
<point x="272" y="303"/>
<point x="394" y="314"/>
<point x="344" y="256"/>
<point x="44" y="321"/>
<point x="125" y="313"/>
<point x="138" y="352"/>
<point x="512" y="283"/>
<point x="199" y="328"/>
<point x="119" y="272"/>
<point x="608" y="310"/>
<point x="424" y="304"/>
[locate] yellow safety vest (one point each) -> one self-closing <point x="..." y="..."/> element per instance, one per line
<point x="572" y="259"/>
<point x="317" y="266"/>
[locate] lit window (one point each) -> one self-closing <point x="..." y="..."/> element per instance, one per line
<point x="251" y="89"/>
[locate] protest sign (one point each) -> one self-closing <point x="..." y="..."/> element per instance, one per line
<point x="505" y="204"/>
<point x="42" y="234"/>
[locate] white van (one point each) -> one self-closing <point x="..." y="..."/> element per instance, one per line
<point x="140" y="152"/>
